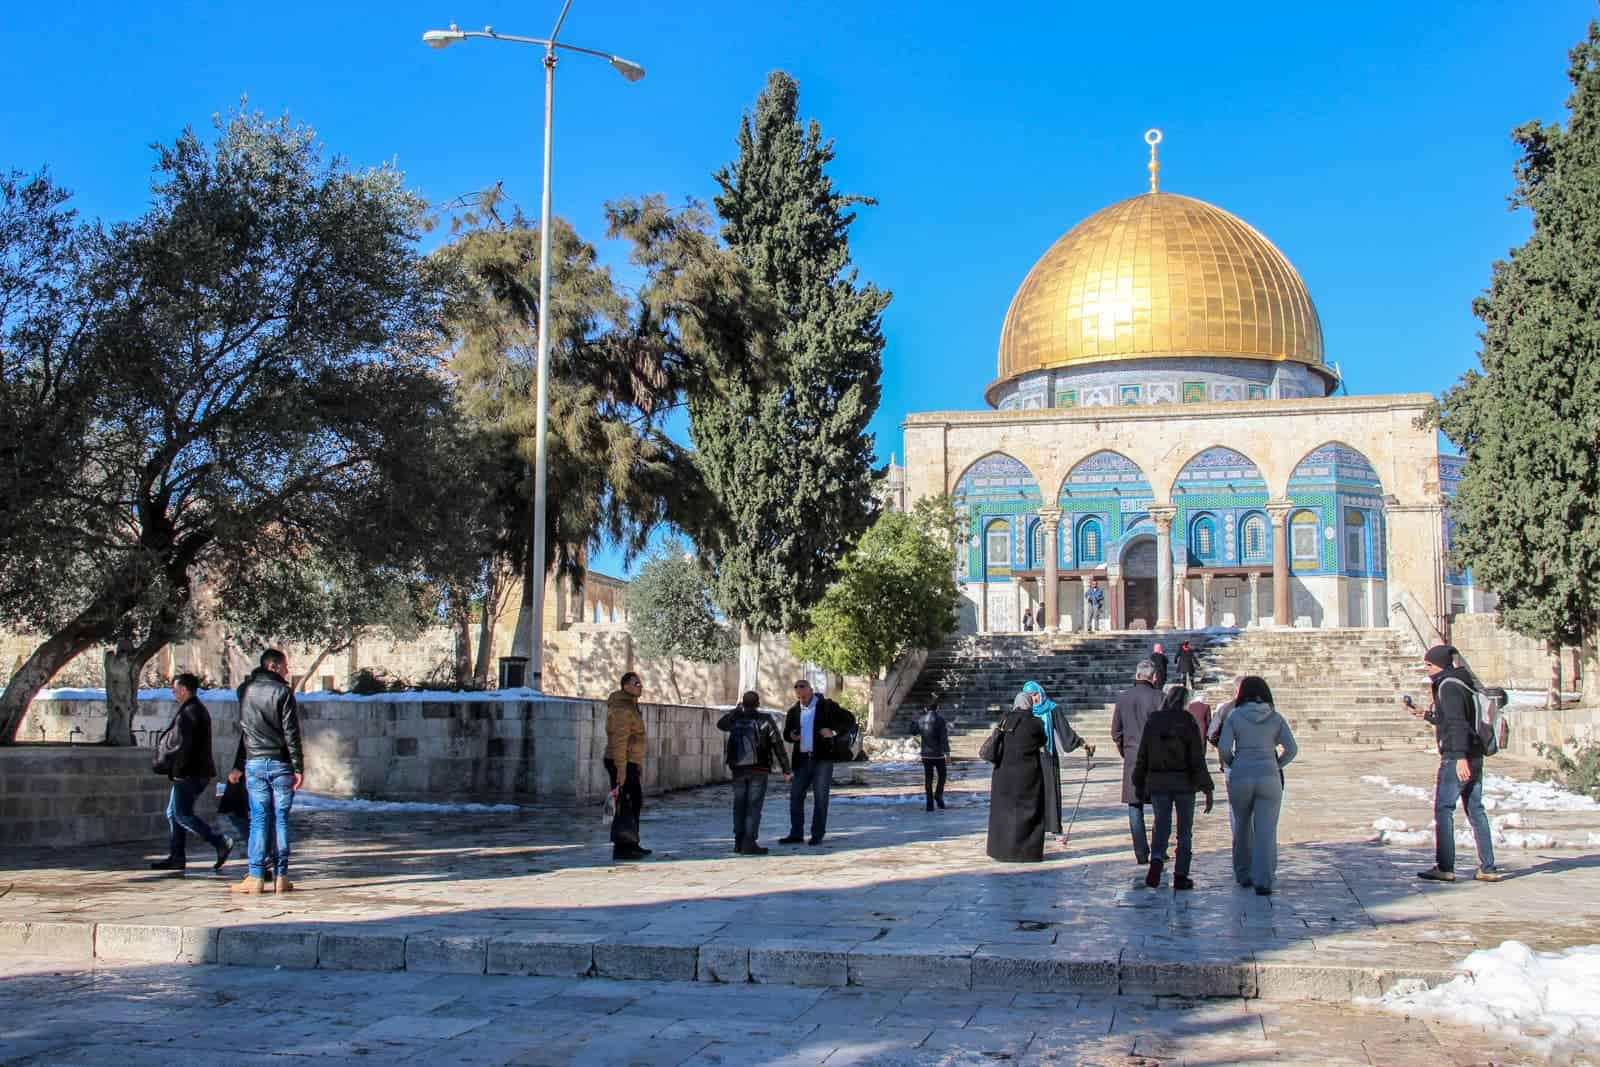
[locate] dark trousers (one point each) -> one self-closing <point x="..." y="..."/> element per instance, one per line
<point x="815" y="776"/>
<point x="630" y="795"/>
<point x="930" y="768"/>
<point x="1164" y="804"/>
<point x="1141" y="842"/>
<point x="749" y="794"/>
<point x="181" y="818"/>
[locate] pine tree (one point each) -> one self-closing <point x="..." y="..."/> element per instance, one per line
<point x="1528" y="510"/>
<point x="789" y="461"/>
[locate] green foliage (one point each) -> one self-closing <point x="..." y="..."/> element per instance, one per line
<point x="787" y="461"/>
<point x="895" y="591"/>
<point x="670" y="612"/>
<point x="1577" y="771"/>
<point x="1527" y="513"/>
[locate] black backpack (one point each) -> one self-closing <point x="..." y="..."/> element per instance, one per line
<point x="744" y="742"/>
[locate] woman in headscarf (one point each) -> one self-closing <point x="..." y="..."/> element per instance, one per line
<point x="1059" y="737"/>
<point x="1017" y="791"/>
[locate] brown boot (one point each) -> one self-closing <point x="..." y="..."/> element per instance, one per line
<point x="250" y="887"/>
<point x="283" y="885"/>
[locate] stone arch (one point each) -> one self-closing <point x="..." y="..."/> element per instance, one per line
<point x="1336" y="462"/>
<point x="1217" y="469"/>
<point x="1103" y="472"/>
<point x="996" y="486"/>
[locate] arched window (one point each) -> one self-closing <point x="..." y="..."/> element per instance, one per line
<point x="1037" y="559"/>
<point x="997" y="545"/>
<point x="1303" y="537"/>
<point x="1091" y="542"/>
<point x="1253" y="538"/>
<point x="1203" y="538"/>
<point x="1355" y="541"/>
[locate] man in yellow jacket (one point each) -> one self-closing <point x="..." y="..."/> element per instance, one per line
<point x="624" y="763"/>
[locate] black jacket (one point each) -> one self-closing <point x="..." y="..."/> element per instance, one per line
<point x="1186" y="662"/>
<point x="1172" y="756"/>
<point x="771" y="745"/>
<point x="830" y="716"/>
<point x="191" y="742"/>
<point x="1160" y="660"/>
<point x="269" y="720"/>
<point x="1128" y="720"/>
<point x="935" y="734"/>
<point x="1454" y="716"/>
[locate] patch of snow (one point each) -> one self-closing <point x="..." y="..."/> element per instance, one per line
<point x="898" y="749"/>
<point x="1395" y="787"/>
<point x="1593" y="841"/>
<point x="1398" y="832"/>
<point x="1510" y="794"/>
<point x="1447" y="935"/>
<point x="313" y="802"/>
<point x="1550" y="1000"/>
<point x="1387" y="823"/>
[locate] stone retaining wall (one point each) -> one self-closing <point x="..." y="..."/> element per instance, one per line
<point x="434" y="746"/>
<point x="1530" y="727"/>
<point x="58" y="795"/>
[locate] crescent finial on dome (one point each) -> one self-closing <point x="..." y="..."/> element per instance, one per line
<point x="1152" y="137"/>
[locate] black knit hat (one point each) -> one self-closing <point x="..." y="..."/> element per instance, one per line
<point x="1441" y="656"/>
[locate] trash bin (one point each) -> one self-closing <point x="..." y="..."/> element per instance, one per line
<point x="513" y="672"/>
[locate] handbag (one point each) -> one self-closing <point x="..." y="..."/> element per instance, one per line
<point x="167" y="745"/>
<point x="234" y="800"/>
<point x="994" y="746"/>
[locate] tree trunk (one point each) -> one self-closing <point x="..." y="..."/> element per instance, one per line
<point x="672" y="674"/>
<point x="749" y="658"/>
<point x="78" y="636"/>
<point x="492" y="592"/>
<point x="123" y="667"/>
<point x="461" y="623"/>
<point x="312" y="670"/>
<point x="1554" y="697"/>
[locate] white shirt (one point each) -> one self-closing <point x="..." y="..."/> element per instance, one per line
<point x="808" y="721"/>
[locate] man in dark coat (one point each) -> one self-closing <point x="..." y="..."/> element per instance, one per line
<point x="934" y="733"/>
<point x="819" y="730"/>
<point x="1186" y="665"/>
<point x="185" y="746"/>
<point x="1168" y="771"/>
<point x="1017" y="791"/>
<point x="1454" y="717"/>
<point x="274" y="768"/>
<point x="1133" y="711"/>
<point x="1158" y="657"/>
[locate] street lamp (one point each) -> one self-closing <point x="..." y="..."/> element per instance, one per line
<point x="534" y="634"/>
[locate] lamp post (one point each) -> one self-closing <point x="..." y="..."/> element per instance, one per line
<point x="533" y="635"/>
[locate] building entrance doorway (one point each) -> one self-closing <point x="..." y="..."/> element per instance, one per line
<point x="1139" y="583"/>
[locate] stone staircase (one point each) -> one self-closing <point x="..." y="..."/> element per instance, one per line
<point x="1338" y="688"/>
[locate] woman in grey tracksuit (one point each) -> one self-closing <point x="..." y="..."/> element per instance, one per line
<point x="1251" y="738"/>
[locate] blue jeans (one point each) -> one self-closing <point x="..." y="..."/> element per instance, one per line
<point x="1446" y="792"/>
<point x="1165" y="803"/>
<point x="241" y="832"/>
<point x="1255" y="800"/>
<point x="181" y="816"/>
<point x="270" y="784"/>
<point x="1141" y="842"/>
<point x="815" y="775"/>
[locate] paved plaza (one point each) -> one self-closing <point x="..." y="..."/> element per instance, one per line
<point x="897" y="901"/>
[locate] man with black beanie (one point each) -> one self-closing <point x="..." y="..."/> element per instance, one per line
<point x="1454" y="718"/>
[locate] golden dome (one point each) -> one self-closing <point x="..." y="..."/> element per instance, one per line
<point x="1159" y="275"/>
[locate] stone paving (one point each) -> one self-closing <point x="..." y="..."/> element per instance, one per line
<point x="896" y="898"/>
<point x="166" y="1015"/>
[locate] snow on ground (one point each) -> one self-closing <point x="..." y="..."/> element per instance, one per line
<point x="1551" y="1000"/>
<point x="312" y="802"/>
<point x="1508" y="794"/>
<point x="1398" y="832"/>
<point x="1395" y="787"/>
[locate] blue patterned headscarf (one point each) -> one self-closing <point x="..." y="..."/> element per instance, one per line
<point x="1042" y="711"/>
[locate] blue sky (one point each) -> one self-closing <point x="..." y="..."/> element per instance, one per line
<point x="1369" y="141"/>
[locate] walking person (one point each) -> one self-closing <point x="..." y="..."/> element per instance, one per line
<point x="1133" y="711"/>
<point x="184" y="751"/>
<point x="934" y="733"/>
<point x="1214" y="731"/>
<point x="1094" y="602"/>
<point x="1168" y="771"/>
<point x="233" y="804"/>
<point x="1454" y="718"/>
<point x="818" y="728"/>
<point x="1158" y="657"/>
<point x="1256" y="745"/>
<point x="1059" y="737"/>
<point x="1186" y="665"/>
<point x="624" y="763"/>
<point x="753" y="740"/>
<point x="274" y="769"/>
<point x="1017" y="791"/>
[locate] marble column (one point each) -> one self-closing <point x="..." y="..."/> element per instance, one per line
<point x="1050" y="522"/>
<point x="1162" y="517"/>
<point x="983" y="607"/>
<point x="1205" y="601"/>
<point x="1280" y="563"/>
<point x="1254" y="613"/>
<point x="1114" y="607"/>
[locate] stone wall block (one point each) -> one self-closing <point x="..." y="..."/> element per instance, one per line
<point x="646" y="958"/>
<point x="554" y="955"/>
<point x="58" y="940"/>
<point x="357" y="949"/>
<point x="270" y="946"/>
<point x="447" y="953"/>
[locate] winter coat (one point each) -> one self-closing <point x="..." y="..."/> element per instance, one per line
<point x="1200" y="712"/>
<point x="1133" y="711"/>
<point x="270" y="720"/>
<point x="1066" y="740"/>
<point x="1160" y="660"/>
<point x="191" y="742"/>
<point x="769" y="742"/>
<point x="1250" y="740"/>
<point x="1186" y="662"/>
<point x="1172" y="756"/>
<point x="625" y="736"/>
<point x="1017" y="792"/>
<point x="829" y="716"/>
<point x="1454" y="716"/>
<point x="934" y="731"/>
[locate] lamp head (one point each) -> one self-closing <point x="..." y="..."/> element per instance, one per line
<point x="443" y="38"/>
<point x="627" y="68"/>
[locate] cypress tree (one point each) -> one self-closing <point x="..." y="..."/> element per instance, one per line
<point x="1528" y="510"/>
<point x="789" y="459"/>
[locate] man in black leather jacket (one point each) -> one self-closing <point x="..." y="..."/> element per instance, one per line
<point x="186" y="744"/>
<point x="273" y="768"/>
